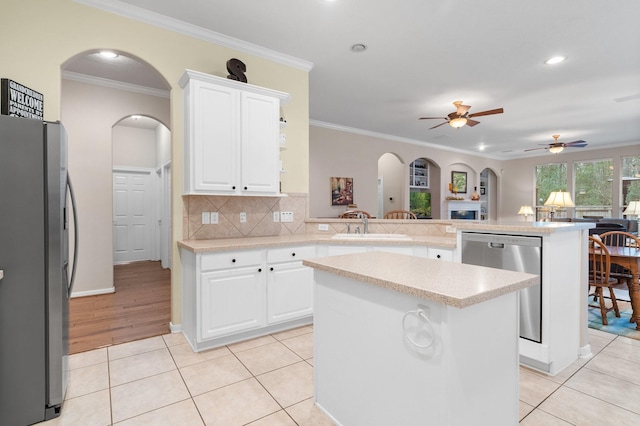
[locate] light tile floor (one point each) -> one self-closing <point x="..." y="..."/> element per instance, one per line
<point x="269" y="381"/>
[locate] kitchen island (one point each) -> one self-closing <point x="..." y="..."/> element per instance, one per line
<point x="407" y="340"/>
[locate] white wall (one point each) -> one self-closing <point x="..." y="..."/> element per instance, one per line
<point x="395" y="180"/>
<point x="163" y="148"/>
<point x="89" y="128"/>
<point x="134" y="147"/>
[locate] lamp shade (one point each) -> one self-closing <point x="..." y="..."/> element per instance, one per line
<point x="559" y="199"/>
<point x="633" y="208"/>
<point x="525" y="210"/>
<point x="458" y="122"/>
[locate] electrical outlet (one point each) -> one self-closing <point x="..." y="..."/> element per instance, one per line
<point x="243" y="217"/>
<point x="206" y="218"/>
<point x="214" y="218"/>
<point x="286" y="216"/>
<point x="276" y="216"/>
<point x="323" y="227"/>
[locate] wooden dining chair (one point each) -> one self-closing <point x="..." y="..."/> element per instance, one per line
<point x="599" y="277"/>
<point x="354" y="214"/>
<point x="620" y="239"/>
<point x="400" y="214"/>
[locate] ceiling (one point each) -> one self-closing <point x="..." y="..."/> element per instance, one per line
<point x="423" y="55"/>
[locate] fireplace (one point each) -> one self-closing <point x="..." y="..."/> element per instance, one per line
<point x="463" y="209"/>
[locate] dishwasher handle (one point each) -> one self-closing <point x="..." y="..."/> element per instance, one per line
<point x="496" y="245"/>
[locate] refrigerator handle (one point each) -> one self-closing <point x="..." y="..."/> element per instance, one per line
<point x="75" y="236"/>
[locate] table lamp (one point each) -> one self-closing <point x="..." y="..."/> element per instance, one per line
<point x="525" y="211"/>
<point x="633" y="209"/>
<point x="558" y="199"/>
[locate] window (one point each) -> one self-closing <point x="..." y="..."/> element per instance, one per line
<point x="549" y="178"/>
<point x="420" y="204"/>
<point x="630" y="180"/>
<point x="593" y="188"/>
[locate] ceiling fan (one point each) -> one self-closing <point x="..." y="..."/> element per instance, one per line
<point x="461" y="116"/>
<point x="557" y="147"/>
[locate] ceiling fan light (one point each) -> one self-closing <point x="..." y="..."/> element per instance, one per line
<point x="556" y="149"/>
<point x="458" y="122"/>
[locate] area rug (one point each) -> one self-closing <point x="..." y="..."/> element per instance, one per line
<point x="620" y="326"/>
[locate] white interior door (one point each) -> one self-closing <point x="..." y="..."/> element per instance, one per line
<point x="132" y="216"/>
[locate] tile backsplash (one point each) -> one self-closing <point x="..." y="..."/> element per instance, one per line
<point x="259" y="212"/>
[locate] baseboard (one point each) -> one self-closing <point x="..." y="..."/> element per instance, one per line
<point x="175" y="328"/>
<point x="93" y="292"/>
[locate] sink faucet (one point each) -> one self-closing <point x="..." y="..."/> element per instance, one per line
<point x="365" y="224"/>
<point x="348" y="228"/>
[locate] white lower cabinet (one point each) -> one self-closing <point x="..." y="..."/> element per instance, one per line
<point x="289" y="284"/>
<point x="236" y="295"/>
<point x="231" y="301"/>
<point x="230" y="296"/>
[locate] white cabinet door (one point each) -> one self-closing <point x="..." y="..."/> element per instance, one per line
<point x="214" y="134"/>
<point x="289" y="292"/>
<point x="260" y="144"/>
<point x="231" y="136"/>
<point x="231" y="301"/>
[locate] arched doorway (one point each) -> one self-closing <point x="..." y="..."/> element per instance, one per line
<point x="96" y="93"/>
<point x="391" y="179"/>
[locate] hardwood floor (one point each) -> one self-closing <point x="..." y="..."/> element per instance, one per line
<point x="139" y="308"/>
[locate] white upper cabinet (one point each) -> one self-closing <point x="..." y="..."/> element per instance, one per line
<point x="231" y="136"/>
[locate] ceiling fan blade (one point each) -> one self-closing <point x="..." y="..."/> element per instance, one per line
<point x="438" y="125"/>
<point x="535" y="149"/>
<point x="578" y="144"/>
<point x="461" y="109"/>
<point x="432" y="118"/>
<point x="471" y="122"/>
<point x="488" y="112"/>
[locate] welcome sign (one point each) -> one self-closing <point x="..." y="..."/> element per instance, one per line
<point x="19" y="101"/>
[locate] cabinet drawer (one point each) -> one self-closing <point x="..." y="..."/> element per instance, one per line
<point x="230" y="259"/>
<point x="288" y="254"/>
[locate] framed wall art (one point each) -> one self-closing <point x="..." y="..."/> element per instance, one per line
<point x="341" y="191"/>
<point x="459" y="181"/>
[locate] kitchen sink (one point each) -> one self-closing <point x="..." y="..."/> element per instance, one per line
<point x="385" y="237"/>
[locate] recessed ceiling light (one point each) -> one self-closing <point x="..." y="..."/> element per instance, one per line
<point x="482" y="147"/>
<point x="555" y="60"/>
<point x="108" y="54"/>
<point x="359" y="47"/>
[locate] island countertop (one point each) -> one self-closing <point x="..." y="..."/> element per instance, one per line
<point x="453" y="284"/>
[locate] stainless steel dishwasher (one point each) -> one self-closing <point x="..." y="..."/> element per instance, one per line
<point x="513" y="253"/>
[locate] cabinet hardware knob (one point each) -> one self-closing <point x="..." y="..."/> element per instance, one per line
<point x="293" y="254"/>
<point x="271" y="269"/>
<point x="245" y="188"/>
<point x="233" y="261"/>
<point x="438" y="256"/>
<point x="259" y="269"/>
<point x="233" y="187"/>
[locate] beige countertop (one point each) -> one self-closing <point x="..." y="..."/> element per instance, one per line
<point x="225" y="244"/>
<point x="453" y="284"/>
<point x="530" y="227"/>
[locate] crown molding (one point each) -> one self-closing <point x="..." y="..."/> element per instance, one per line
<point x="113" y="84"/>
<point x="369" y="133"/>
<point x="171" y="24"/>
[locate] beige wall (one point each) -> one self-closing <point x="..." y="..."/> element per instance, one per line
<point x="40" y="36"/>
<point x="518" y="177"/>
<point x="336" y="152"/>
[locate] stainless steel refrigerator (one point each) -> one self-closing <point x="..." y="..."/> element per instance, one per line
<point x="37" y="276"/>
